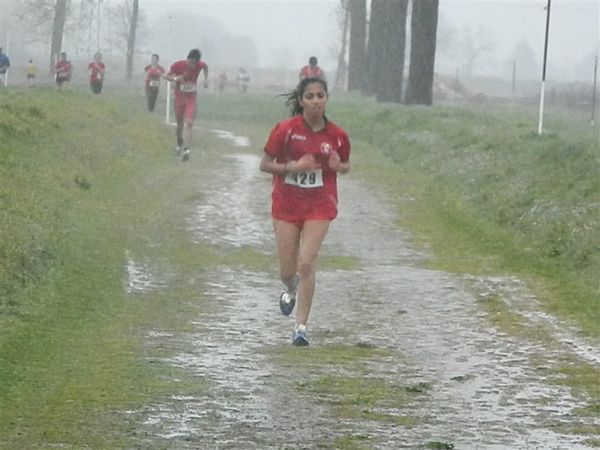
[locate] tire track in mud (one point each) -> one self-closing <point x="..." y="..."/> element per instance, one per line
<point x="480" y="388"/>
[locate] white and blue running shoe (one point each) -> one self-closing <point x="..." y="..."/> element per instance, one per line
<point x="300" y="336"/>
<point x="287" y="301"/>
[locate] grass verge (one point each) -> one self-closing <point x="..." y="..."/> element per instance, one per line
<point x="85" y="180"/>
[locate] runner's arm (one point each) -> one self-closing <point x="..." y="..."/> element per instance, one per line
<point x="336" y="164"/>
<point x="268" y="164"/>
<point x="171" y="77"/>
<point x="305" y="163"/>
<point x="205" y="70"/>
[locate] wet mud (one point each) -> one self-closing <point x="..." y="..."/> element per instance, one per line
<point x="465" y="384"/>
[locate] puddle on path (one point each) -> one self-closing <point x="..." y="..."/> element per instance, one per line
<point x="233" y="213"/>
<point x="514" y="293"/>
<point x="238" y="141"/>
<point x="484" y="392"/>
<point x="142" y="277"/>
<point x="245" y="406"/>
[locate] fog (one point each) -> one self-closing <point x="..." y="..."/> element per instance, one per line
<point x="287" y="32"/>
<point x="475" y="38"/>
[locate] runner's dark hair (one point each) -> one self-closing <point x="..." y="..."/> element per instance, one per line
<point x="194" y="54"/>
<point x="292" y="98"/>
<point x="155" y="54"/>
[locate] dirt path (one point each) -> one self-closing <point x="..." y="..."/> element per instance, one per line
<point x="451" y="378"/>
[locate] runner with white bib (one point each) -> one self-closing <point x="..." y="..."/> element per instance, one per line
<point x="97" y="70"/>
<point x="304" y="153"/>
<point x="152" y="81"/>
<point x="185" y="75"/>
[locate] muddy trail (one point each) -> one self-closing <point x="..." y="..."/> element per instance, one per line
<point x="400" y="356"/>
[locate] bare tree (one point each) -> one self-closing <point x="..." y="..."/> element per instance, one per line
<point x="341" y="71"/>
<point x="387" y="44"/>
<point x="474" y="47"/>
<point x="58" y="28"/>
<point x="358" y="43"/>
<point x="422" y="52"/>
<point x="37" y="16"/>
<point x="131" y="38"/>
<point x="126" y="27"/>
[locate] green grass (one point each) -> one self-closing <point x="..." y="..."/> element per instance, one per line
<point x="353" y="442"/>
<point x="329" y="355"/>
<point x="83" y="180"/>
<point x="493" y="197"/>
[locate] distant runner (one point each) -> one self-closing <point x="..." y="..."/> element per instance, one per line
<point x="312" y="70"/>
<point x="185" y="75"/>
<point x="222" y="81"/>
<point x="30" y="72"/>
<point x="304" y="153"/>
<point x="97" y="70"/>
<point x="153" y="73"/>
<point x="63" y="70"/>
<point x="4" y="65"/>
<point x="243" y="80"/>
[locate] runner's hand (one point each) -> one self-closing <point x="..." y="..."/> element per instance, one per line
<point x="334" y="161"/>
<point x="306" y="162"/>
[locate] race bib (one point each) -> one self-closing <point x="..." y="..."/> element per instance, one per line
<point x="307" y="180"/>
<point x="154" y="83"/>
<point x="187" y="87"/>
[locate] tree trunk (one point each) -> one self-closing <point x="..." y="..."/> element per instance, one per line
<point x="422" y="52"/>
<point x="358" y="42"/>
<point x="58" y="27"/>
<point x="131" y="38"/>
<point x="387" y="45"/>
<point x="341" y="71"/>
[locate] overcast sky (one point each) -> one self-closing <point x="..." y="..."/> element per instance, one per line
<point x="293" y="30"/>
<point x="306" y="27"/>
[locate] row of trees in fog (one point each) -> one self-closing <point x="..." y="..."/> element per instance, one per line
<point x="49" y="20"/>
<point x="376" y="58"/>
<point x="120" y="28"/>
<point x="376" y="62"/>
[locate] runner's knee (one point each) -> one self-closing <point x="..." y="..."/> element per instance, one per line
<point x="306" y="269"/>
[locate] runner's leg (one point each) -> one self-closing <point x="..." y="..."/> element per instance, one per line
<point x="287" y="236"/>
<point x="313" y="233"/>
<point x="189" y="114"/>
<point x="154" y="96"/>
<point x="179" y="119"/>
<point x="149" y="98"/>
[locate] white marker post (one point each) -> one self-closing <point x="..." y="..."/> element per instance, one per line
<point x="168" y="108"/>
<point x="543" y="88"/>
<point x="595" y="90"/>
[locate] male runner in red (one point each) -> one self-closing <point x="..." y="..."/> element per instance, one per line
<point x="96" y="68"/>
<point x="304" y="153"/>
<point x="185" y="75"/>
<point x="63" y="70"/>
<point x="153" y="73"/>
<point x="312" y="70"/>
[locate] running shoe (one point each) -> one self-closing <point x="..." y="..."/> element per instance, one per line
<point x="300" y="336"/>
<point x="186" y="154"/>
<point x="287" y="301"/>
